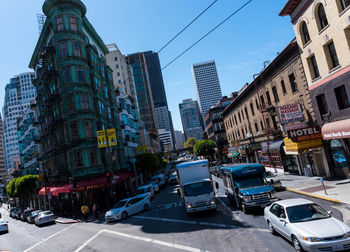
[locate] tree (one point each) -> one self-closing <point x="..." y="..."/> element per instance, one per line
<point x="148" y="163"/>
<point x="11" y="188"/>
<point x="205" y="148"/>
<point x="25" y="187"/>
<point x="190" y="142"/>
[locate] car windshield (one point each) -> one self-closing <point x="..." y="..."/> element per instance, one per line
<point x="306" y="212"/>
<point x="143" y="190"/>
<point x="45" y="213"/>
<point x="35" y="212"/>
<point x="120" y="204"/>
<point x="251" y="182"/>
<point x="2" y="222"/>
<point x="198" y="188"/>
<point x="270" y="174"/>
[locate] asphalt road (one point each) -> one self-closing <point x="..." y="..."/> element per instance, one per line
<point x="165" y="227"/>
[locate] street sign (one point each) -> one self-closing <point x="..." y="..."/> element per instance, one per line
<point x="101" y="139"/>
<point x="112" y="137"/>
<point x="305" y="134"/>
<point x="290" y="114"/>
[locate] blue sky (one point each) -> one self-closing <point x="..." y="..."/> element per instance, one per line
<point x="239" y="47"/>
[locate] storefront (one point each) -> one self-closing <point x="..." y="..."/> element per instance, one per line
<point x="336" y="136"/>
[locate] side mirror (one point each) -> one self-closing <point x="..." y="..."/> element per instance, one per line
<point x="283" y="216"/>
<point x="217" y="185"/>
<point x="330" y="212"/>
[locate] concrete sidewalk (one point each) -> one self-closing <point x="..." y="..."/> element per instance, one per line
<point x="336" y="190"/>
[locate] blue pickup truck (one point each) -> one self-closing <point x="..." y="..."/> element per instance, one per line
<point x="246" y="186"/>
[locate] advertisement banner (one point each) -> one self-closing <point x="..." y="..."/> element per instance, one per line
<point x="101" y="139"/>
<point x="290" y="114"/>
<point x="112" y="137"/>
<point x="298" y="147"/>
<point x="305" y="134"/>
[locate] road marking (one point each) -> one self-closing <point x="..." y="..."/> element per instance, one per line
<point x="48" y="238"/>
<point x="164" y="206"/>
<point x="166" y="244"/>
<point x="186" y="222"/>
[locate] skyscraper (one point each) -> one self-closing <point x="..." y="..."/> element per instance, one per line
<point x="2" y="157"/>
<point x="18" y="94"/>
<point x="179" y="139"/>
<point x="191" y="118"/>
<point x="207" y="86"/>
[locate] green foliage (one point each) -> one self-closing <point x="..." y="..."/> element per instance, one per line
<point x="148" y="162"/>
<point x="190" y="142"/>
<point x="11" y="188"/>
<point x="205" y="148"/>
<point x="164" y="162"/>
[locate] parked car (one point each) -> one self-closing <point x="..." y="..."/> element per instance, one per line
<point x="307" y="225"/>
<point x="44" y="217"/>
<point x="31" y="217"/>
<point x="145" y="191"/>
<point x="173" y="179"/>
<point x="12" y="212"/>
<point x="25" y="214"/>
<point x="3" y="226"/>
<point x="159" y="179"/>
<point x="127" y="207"/>
<point x="273" y="180"/>
<point x="18" y="213"/>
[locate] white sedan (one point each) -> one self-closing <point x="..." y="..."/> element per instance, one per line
<point x="44" y="217"/>
<point x="307" y="225"/>
<point x="3" y="226"/>
<point x="127" y="207"/>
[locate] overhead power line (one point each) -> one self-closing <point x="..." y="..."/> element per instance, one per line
<point x="195" y="43"/>
<point x="186" y="26"/>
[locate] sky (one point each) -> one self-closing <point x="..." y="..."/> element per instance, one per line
<point x="239" y="47"/>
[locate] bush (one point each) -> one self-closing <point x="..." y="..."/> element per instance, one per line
<point x="205" y="148"/>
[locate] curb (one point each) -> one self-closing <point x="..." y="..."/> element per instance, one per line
<point x="67" y="222"/>
<point x="315" y="196"/>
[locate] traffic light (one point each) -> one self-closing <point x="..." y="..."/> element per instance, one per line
<point x="108" y="176"/>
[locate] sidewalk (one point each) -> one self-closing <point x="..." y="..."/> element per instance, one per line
<point x="337" y="190"/>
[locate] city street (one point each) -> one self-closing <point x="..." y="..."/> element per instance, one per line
<point x="165" y="227"/>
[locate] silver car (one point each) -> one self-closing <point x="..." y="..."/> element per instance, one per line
<point x="127" y="207"/>
<point x="307" y="225"/>
<point x="3" y="226"/>
<point x="44" y="218"/>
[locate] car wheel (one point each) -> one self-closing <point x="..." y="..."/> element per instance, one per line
<point x="297" y="245"/>
<point x="244" y="208"/>
<point x="124" y="215"/>
<point x="146" y="207"/>
<point x="271" y="228"/>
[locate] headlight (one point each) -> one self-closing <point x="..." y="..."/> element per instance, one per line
<point x="213" y="201"/>
<point x="188" y="205"/>
<point x="346" y="235"/>
<point x="247" y="198"/>
<point x="273" y="194"/>
<point x="312" y="239"/>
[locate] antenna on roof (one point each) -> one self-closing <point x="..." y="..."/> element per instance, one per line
<point x="41" y="20"/>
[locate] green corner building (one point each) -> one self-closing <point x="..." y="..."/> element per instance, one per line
<point x="75" y="96"/>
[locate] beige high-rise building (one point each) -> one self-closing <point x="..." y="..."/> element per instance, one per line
<point x="322" y="30"/>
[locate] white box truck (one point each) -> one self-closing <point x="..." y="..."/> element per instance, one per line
<point x="196" y="186"/>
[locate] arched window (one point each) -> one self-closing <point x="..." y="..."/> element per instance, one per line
<point x="305" y="33"/>
<point x="322" y="18"/>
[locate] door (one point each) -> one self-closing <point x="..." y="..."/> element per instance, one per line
<point x="131" y="206"/>
<point x="281" y="225"/>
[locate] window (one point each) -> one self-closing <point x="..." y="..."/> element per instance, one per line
<point x="344" y="4"/>
<point x="239" y="117"/>
<point x="246" y="112"/>
<point x="322" y="18"/>
<point x="257" y="104"/>
<point x="70" y="102"/>
<point x="78" y="160"/>
<point x="73" y="23"/>
<point x="88" y="129"/>
<point x="63" y="49"/>
<point x="275" y="94"/>
<point x="81" y="75"/>
<point x="268" y="97"/>
<point x="305" y="33"/>
<point x="76" y="49"/>
<point x="331" y="56"/>
<point x="313" y="67"/>
<point x="256" y="127"/>
<point x="84" y="101"/>
<point x="293" y="83"/>
<point x="322" y="104"/>
<point x="118" y="74"/>
<point x="262" y="100"/>
<point x="93" y="159"/>
<point x="66" y="75"/>
<point x="59" y="23"/>
<point x="117" y="66"/>
<point x="74" y="130"/>
<point x="116" y="58"/>
<point x="252" y="108"/>
<point x="342" y="97"/>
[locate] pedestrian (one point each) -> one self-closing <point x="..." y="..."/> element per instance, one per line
<point x="95" y="210"/>
<point x="85" y="211"/>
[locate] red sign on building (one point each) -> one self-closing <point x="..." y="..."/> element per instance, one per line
<point x="305" y="134"/>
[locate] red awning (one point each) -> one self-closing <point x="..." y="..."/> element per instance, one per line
<point x="336" y="130"/>
<point x="61" y="189"/>
<point x="92" y="184"/>
<point x="42" y="190"/>
<point x="121" y="176"/>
